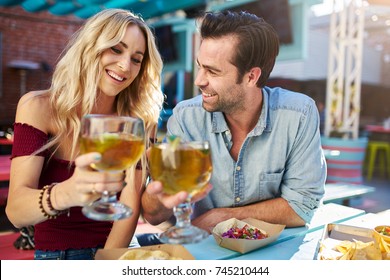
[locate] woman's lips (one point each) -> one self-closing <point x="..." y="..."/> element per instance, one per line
<point x="115" y="76"/>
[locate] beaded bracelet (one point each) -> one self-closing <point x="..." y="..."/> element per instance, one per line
<point x="49" y="204"/>
<point x="48" y="200"/>
<point x="45" y="214"/>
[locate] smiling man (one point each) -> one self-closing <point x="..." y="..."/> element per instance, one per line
<point x="265" y="142"/>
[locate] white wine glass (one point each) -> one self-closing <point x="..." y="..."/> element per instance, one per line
<point x="121" y="141"/>
<point x="181" y="167"/>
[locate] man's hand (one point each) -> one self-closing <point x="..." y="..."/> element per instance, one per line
<point x="211" y="218"/>
<point x="170" y="201"/>
<point x="155" y="188"/>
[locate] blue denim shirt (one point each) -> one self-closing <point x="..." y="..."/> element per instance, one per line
<point x="280" y="157"/>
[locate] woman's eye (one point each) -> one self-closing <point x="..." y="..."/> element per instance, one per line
<point x="115" y="50"/>
<point x="136" y="60"/>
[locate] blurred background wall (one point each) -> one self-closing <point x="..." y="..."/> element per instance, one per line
<point x="31" y="42"/>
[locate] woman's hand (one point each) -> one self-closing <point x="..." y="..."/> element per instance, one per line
<point x="89" y="184"/>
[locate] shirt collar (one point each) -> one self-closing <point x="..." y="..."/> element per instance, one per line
<point x="219" y="124"/>
<point x="264" y="123"/>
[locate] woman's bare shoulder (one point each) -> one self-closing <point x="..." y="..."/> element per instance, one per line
<point x="34" y="109"/>
<point x="34" y="98"/>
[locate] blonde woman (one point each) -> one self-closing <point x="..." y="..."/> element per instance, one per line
<point x="111" y="66"/>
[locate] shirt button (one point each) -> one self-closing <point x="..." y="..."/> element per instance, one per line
<point x="238" y="199"/>
<point x="228" y="133"/>
<point x="238" y="168"/>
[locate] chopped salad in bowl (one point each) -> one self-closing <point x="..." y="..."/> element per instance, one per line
<point x="245" y="232"/>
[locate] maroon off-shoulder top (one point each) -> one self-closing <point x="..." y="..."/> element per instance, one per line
<point x="66" y="232"/>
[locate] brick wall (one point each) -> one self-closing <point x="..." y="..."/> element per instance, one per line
<point x="36" y="37"/>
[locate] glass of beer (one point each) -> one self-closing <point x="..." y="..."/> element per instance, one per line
<point x="181" y="167"/>
<point x="121" y="142"/>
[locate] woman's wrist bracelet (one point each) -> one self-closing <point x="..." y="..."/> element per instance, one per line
<point x="49" y="204"/>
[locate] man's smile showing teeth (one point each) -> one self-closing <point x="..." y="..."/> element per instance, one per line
<point x="115" y="76"/>
<point x="207" y="94"/>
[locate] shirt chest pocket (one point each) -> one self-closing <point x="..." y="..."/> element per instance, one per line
<point x="269" y="185"/>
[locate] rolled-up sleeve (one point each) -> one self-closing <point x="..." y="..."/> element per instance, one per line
<point x="304" y="179"/>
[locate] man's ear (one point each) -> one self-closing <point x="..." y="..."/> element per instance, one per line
<point x="254" y="75"/>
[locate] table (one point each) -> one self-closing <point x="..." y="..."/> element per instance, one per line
<point x="304" y="247"/>
<point x="377" y="128"/>
<point x="5" y="165"/>
<point x="5" y="146"/>
<point x="327" y="213"/>
<point x="378" y="133"/>
<point x="5" y="141"/>
<point x="330" y="153"/>
<point x="344" y="192"/>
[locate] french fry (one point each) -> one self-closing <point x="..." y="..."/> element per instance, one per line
<point x="385" y="245"/>
<point x="358" y="250"/>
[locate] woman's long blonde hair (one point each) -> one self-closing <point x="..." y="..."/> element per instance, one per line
<point x="74" y="87"/>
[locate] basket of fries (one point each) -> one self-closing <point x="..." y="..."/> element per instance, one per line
<point x="343" y="242"/>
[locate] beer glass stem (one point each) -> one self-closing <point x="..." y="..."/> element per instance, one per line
<point x="183" y="232"/>
<point x="105" y="196"/>
<point x="182" y="213"/>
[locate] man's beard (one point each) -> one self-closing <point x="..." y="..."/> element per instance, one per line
<point x="227" y="106"/>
